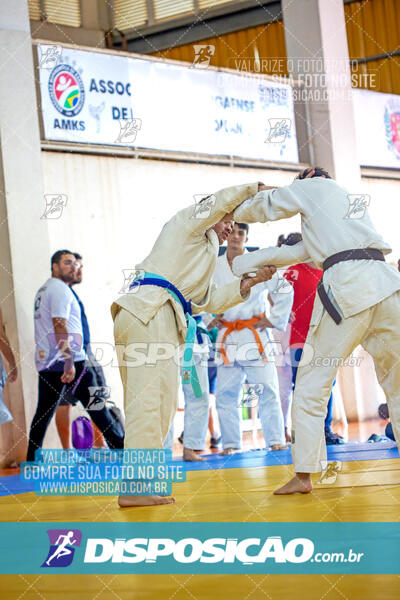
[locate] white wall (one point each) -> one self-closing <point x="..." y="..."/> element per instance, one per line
<point x="384" y="209"/>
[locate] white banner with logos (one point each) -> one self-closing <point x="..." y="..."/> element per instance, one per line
<point x="377" y="119"/>
<point x="101" y="98"/>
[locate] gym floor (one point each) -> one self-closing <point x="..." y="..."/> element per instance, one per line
<point x="228" y="489"/>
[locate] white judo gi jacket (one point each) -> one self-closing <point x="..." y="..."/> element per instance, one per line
<point x="364" y="291"/>
<point x="185" y="254"/>
<point x="330" y="223"/>
<point x="240" y="344"/>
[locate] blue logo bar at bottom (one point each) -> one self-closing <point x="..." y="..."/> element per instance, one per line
<point x="200" y="548"/>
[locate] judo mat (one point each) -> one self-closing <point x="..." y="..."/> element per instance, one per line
<point x="12" y="484"/>
<point x="236" y="488"/>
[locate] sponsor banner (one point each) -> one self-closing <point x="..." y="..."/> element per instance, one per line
<point x="377" y="120"/>
<point x="200" y="548"/>
<point x="101" y="98"/>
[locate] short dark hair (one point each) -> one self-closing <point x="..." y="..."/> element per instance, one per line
<point x="55" y="259"/>
<point x="242" y="226"/>
<point x="77" y="255"/>
<point x="293" y="238"/>
<point x="319" y="172"/>
<point x="281" y="240"/>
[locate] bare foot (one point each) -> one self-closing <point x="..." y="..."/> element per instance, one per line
<point x="275" y="447"/>
<point x="190" y="455"/>
<point x="300" y="484"/>
<point x="228" y="451"/>
<point x="126" y="501"/>
<point x="288" y="437"/>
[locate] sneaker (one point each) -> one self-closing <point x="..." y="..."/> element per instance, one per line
<point x="215" y="442"/>
<point x="332" y="438"/>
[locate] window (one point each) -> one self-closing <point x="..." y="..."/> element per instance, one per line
<point x="128" y="15"/>
<point x="164" y="9"/>
<point x="35" y="12"/>
<point x="210" y="3"/>
<point x="65" y="12"/>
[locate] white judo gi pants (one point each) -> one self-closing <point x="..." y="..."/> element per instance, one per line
<point x="377" y="329"/>
<point x="195" y="414"/>
<point x="196" y="411"/>
<point x="284" y="370"/>
<point x="229" y="382"/>
<point x="285" y="378"/>
<point x="150" y="389"/>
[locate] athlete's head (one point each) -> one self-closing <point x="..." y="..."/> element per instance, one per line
<point x="223" y="228"/>
<point x="78" y="270"/>
<point x="238" y="237"/>
<point x="313" y="172"/>
<point x="63" y="265"/>
<point x="281" y="240"/>
<point x="293" y="238"/>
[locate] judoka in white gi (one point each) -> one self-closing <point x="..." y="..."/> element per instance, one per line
<point x="150" y="323"/>
<point x="246" y="344"/>
<point x="358" y="303"/>
<point x="196" y="409"/>
<point x="285" y="373"/>
<point x="284" y="367"/>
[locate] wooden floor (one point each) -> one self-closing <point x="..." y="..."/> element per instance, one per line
<point x="365" y="491"/>
<point x="200" y="587"/>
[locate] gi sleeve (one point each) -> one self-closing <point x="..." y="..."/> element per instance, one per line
<point x="206" y="213"/>
<point x="282" y="295"/>
<point x="284" y="256"/>
<point x="272" y="205"/>
<point x="219" y="299"/>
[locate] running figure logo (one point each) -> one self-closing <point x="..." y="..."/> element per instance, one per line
<point x="203" y="206"/>
<point x="358" y="204"/>
<point x="202" y="55"/>
<point x="55" y="204"/>
<point x="128" y="130"/>
<point x="62" y="547"/>
<point x="279" y="130"/>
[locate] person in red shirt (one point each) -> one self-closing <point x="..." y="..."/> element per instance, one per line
<point x="304" y="278"/>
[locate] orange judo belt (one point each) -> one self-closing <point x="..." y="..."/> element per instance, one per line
<point x="238" y="325"/>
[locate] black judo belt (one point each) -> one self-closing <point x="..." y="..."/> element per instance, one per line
<point x="356" y="254"/>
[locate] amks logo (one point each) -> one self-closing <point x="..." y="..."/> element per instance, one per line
<point x="66" y="90"/>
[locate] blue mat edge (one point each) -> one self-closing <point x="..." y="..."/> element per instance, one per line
<point x="11" y="485"/>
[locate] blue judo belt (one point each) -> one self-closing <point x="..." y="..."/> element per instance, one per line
<point x="189" y="373"/>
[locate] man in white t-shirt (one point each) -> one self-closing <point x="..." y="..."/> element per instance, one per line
<point x="60" y="356"/>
